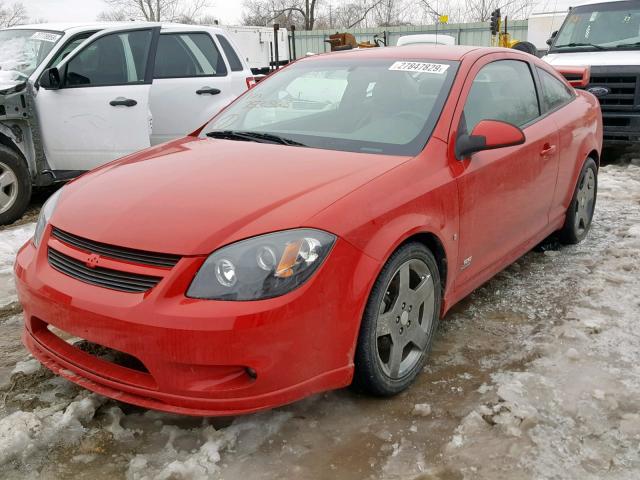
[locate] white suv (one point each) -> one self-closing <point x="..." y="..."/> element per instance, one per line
<point x="73" y="97"/>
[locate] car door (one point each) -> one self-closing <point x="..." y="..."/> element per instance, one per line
<point x="556" y="95"/>
<point x="101" y="110"/>
<point x="505" y="193"/>
<point x="191" y="83"/>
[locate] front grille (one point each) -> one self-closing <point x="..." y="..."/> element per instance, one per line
<point x="102" y="277"/>
<point x="622" y="89"/>
<point x="120" y="253"/>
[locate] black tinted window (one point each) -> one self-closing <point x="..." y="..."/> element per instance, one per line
<point x="554" y="92"/>
<point x="188" y="55"/>
<point x="116" y="59"/>
<point x="502" y="90"/>
<point x="232" y="57"/>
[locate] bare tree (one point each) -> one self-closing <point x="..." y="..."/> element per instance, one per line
<point x="480" y="10"/>
<point x="12" y="15"/>
<point x="310" y="14"/>
<point x="155" y="10"/>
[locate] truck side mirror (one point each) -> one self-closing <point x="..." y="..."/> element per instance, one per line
<point x="50" y="79"/>
<point x="553" y="35"/>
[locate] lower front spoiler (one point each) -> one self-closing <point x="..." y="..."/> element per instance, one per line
<point x="178" y="404"/>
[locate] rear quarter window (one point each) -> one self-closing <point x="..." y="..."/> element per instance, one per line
<point x="554" y="92"/>
<point x="232" y="56"/>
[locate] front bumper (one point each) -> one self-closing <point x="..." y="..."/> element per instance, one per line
<point x="621" y="128"/>
<point x="198" y="357"/>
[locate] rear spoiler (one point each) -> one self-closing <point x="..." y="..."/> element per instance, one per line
<point x="578" y="77"/>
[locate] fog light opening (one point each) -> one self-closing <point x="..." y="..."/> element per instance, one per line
<point x="251" y="372"/>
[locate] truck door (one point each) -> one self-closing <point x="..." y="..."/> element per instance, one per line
<point x="101" y="110"/>
<point x="192" y="83"/>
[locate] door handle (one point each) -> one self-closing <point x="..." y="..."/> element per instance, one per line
<point x="208" y="91"/>
<point x="123" y="102"/>
<point x="547" y="150"/>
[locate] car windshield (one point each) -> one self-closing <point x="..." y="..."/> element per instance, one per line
<point x="600" y="27"/>
<point x="21" y="51"/>
<point x="351" y="104"/>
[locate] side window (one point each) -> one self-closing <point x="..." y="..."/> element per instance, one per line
<point x="188" y="55"/>
<point x="116" y="59"/>
<point x="69" y="47"/>
<point x="554" y="92"/>
<point x="232" y="56"/>
<point x="502" y="90"/>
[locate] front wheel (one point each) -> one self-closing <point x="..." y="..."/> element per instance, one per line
<point x="399" y="322"/>
<point x="15" y="186"/>
<point x="583" y="204"/>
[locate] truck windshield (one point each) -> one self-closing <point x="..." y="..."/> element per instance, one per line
<point x="381" y="106"/>
<point x="603" y="26"/>
<point x="21" y="51"/>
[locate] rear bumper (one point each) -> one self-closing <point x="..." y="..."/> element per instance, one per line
<point x="198" y="356"/>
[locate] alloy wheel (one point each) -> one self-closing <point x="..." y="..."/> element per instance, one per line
<point x="8" y="187"/>
<point x="585" y="201"/>
<point x="405" y="319"/>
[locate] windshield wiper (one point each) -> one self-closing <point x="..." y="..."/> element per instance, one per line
<point x="623" y="45"/>
<point x="597" y="47"/>
<point x="253" y="137"/>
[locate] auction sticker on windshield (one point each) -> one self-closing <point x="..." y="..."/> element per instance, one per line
<point x="45" y="37"/>
<point x="420" y="67"/>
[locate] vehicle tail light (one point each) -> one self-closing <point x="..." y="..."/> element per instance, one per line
<point x="251" y="82"/>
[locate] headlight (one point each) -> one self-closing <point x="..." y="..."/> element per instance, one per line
<point x="45" y="214"/>
<point x="262" y="267"/>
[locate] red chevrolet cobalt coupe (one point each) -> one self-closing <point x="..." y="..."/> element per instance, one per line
<point x="313" y="233"/>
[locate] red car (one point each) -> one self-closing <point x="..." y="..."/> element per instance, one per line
<point x="313" y="233"/>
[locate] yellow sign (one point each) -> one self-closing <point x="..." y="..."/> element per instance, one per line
<point x="444" y="18"/>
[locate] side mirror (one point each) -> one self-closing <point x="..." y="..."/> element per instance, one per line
<point x="487" y="135"/>
<point x="50" y="79"/>
<point x="553" y="35"/>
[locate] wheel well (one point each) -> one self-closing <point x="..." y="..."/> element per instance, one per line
<point x="7" y="142"/>
<point x="594" y="154"/>
<point x="433" y="243"/>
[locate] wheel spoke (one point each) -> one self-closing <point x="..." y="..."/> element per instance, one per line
<point x="404" y="280"/>
<point x="7" y="178"/>
<point x="424" y="292"/>
<point x="395" y="358"/>
<point x="419" y="338"/>
<point x="385" y="323"/>
<point x="4" y="199"/>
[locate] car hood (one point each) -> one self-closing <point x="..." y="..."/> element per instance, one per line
<point x="191" y="196"/>
<point x="598" y="58"/>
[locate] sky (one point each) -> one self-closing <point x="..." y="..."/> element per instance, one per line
<point x="228" y="11"/>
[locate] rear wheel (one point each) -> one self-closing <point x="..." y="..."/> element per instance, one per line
<point x="399" y="322"/>
<point x="15" y="186"/>
<point x="580" y="212"/>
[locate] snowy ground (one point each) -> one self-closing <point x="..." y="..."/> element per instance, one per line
<point x="534" y="376"/>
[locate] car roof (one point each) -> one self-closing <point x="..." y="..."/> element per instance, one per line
<point x="419" y="52"/>
<point x="81" y="26"/>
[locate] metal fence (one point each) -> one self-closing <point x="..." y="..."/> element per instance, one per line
<point x="464" y="33"/>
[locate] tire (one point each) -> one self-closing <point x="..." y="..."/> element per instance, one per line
<point x="526" y="47"/>
<point x="412" y="314"/>
<point x="15" y="186"/>
<point x="583" y="203"/>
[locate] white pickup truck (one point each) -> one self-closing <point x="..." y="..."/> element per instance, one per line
<point x="73" y="97"/>
<point x="605" y="36"/>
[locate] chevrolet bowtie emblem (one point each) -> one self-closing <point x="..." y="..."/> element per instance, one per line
<point x="93" y="260"/>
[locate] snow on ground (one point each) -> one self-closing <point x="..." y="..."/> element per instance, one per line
<point x="535" y="376"/>
<point x="10" y="242"/>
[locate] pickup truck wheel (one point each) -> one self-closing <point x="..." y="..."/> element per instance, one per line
<point x="583" y="203"/>
<point x="15" y="186"/>
<point x="399" y="321"/>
